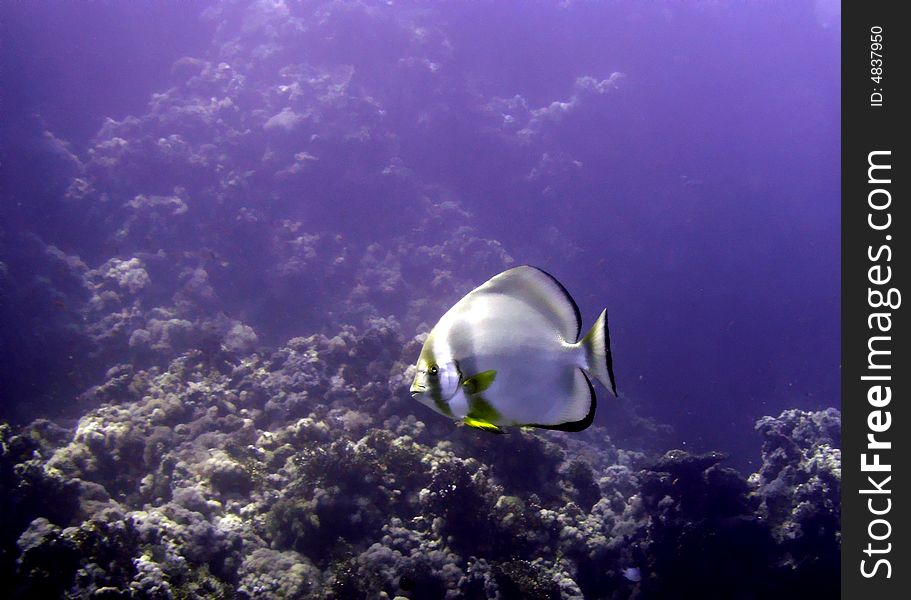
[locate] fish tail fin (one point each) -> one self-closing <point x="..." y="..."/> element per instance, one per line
<point x="598" y="360"/>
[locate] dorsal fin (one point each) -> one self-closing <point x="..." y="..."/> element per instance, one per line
<point x="542" y="292"/>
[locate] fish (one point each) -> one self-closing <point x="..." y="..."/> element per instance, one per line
<point x="509" y="354"/>
<point x="632" y="574"/>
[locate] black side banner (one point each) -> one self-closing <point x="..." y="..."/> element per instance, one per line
<point x="876" y="367"/>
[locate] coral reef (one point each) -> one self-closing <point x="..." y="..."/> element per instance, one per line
<point x="302" y="474"/>
<point x="799" y="485"/>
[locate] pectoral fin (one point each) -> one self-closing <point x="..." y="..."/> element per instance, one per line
<point x="480" y="382"/>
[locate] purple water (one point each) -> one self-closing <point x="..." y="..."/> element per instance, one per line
<point x="675" y="162"/>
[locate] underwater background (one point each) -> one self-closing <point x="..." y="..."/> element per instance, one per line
<point x="225" y="228"/>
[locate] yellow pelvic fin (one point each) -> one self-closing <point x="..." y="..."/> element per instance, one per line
<point x="482" y="425"/>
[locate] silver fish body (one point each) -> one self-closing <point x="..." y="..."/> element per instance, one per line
<point x="509" y="354"/>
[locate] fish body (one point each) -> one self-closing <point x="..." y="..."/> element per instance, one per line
<point x="509" y="354"/>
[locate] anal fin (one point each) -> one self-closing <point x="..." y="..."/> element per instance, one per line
<point x="582" y="404"/>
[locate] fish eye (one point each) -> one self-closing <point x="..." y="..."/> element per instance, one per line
<point x="434" y="369"/>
